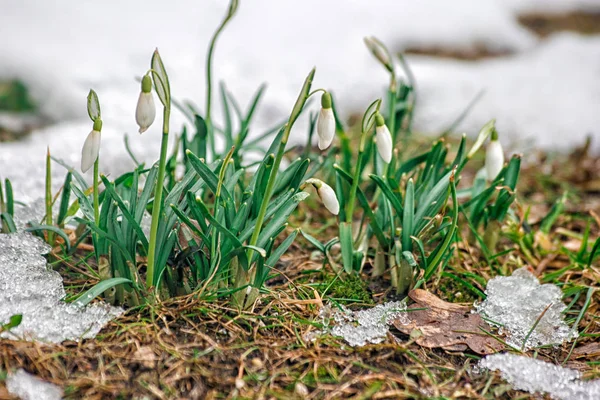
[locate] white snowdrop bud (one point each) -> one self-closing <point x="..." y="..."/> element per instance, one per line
<point x="145" y="111"/>
<point x="325" y="122"/>
<point x="91" y="147"/>
<point x="327" y="195"/>
<point x="494" y="157"/>
<point x="383" y="139"/>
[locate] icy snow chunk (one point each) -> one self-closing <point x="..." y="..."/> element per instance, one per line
<point x="536" y="376"/>
<point x="29" y="387"/>
<point x="516" y="302"/>
<point x="29" y="288"/>
<point x="365" y="326"/>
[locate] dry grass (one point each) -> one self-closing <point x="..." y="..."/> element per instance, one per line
<point x="188" y="348"/>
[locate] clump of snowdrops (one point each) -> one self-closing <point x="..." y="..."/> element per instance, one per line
<point x="218" y="230"/>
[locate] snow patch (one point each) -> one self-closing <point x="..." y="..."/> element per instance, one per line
<point x="358" y="328"/>
<point x="30" y="288"/>
<point x="29" y="387"/>
<point x="536" y="376"/>
<point x="514" y="303"/>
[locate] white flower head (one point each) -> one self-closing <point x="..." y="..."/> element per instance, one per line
<point x="383" y="139"/>
<point x="91" y="147"/>
<point x="494" y="157"/>
<point x="327" y="195"/>
<point x="325" y="122"/>
<point x="146" y="110"/>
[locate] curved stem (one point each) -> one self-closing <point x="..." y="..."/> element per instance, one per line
<point x="317" y="91"/>
<point x="209" y="57"/>
<point x="157" y="204"/>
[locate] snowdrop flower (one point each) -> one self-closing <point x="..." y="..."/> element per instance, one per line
<point x="91" y="147"/>
<point x="325" y="122"/>
<point x="494" y="157"/>
<point x="326" y="194"/>
<point x="145" y="111"/>
<point x="383" y="139"/>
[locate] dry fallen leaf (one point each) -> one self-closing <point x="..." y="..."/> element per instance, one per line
<point x="588" y="350"/>
<point x="447" y="325"/>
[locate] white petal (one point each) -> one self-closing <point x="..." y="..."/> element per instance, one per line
<point x="90" y="150"/>
<point x="329" y="198"/>
<point x="494" y="159"/>
<point x="384" y="143"/>
<point x="145" y="111"/>
<point x="325" y="127"/>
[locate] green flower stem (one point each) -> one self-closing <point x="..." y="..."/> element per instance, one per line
<point x="49" y="197"/>
<point x="209" y="126"/>
<point x="157" y="204"/>
<point x="96" y="192"/>
<point x="269" y="189"/>
<point x="354" y="187"/>
<point x="304" y="95"/>
<point x="392" y="119"/>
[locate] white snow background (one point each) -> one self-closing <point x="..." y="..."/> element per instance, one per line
<point x="545" y="94"/>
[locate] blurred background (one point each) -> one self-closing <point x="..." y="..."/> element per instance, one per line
<point x="534" y="65"/>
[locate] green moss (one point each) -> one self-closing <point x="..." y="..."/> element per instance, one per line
<point x="14" y="97"/>
<point x="350" y="287"/>
<point x="455" y="292"/>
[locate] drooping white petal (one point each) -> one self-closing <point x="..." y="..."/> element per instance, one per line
<point x="145" y="111"/>
<point x="494" y="159"/>
<point x="325" y="127"/>
<point x="90" y="150"/>
<point x="330" y="201"/>
<point x="384" y="142"/>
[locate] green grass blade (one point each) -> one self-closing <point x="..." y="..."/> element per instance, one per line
<point x="98" y="289"/>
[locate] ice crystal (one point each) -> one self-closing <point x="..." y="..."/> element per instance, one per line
<point x="364" y="326"/>
<point x="514" y="303"/>
<point x="28" y="287"/>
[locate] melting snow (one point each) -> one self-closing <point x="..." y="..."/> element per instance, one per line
<point x="536" y="376"/>
<point x="29" y="387"/>
<point x="365" y="326"/>
<point x="30" y="288"/>
<point x="515" y="303"/>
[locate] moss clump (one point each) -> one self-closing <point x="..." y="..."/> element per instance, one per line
<point x="455" y="292"/>
<point x="350" y="287"/>
<point x="14" y="97"/>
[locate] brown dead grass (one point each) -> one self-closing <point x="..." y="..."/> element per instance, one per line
<point x="186" y="348"/>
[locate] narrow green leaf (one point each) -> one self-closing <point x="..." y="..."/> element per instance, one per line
<point x="125" y="212"/>
<point x="98" y="289"/>
<point x="445" y="245"/>
<point x="50" y="228"/>
<point x="314" y="241"/>
<point x="64" y="200"/>
<point x="347" y="246"/>
<point x="408" y="216"/>
<point x="8" y="224"/>
<point x="388" y="193"/>
<point x="595" y="249"/>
